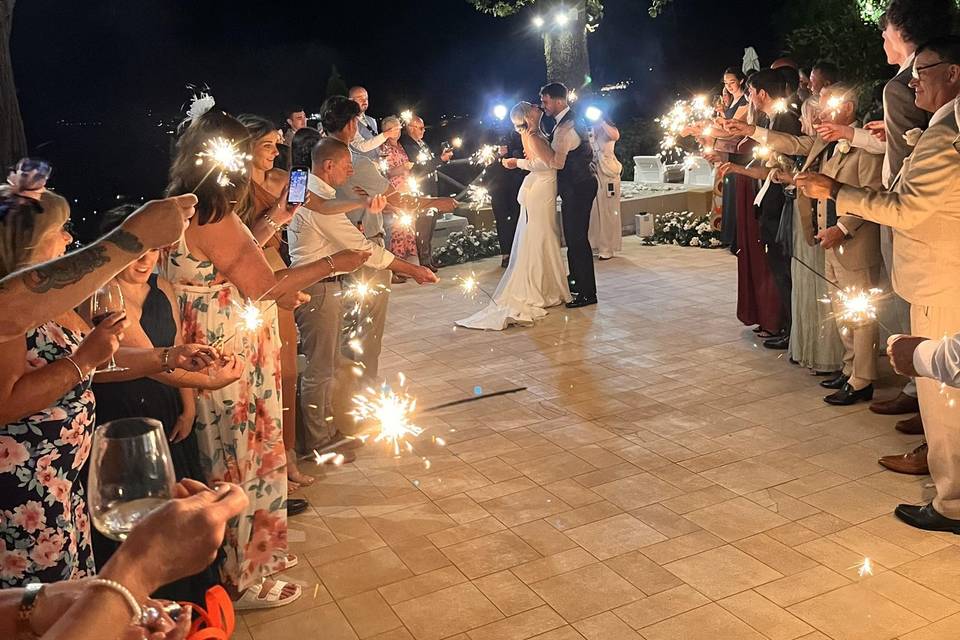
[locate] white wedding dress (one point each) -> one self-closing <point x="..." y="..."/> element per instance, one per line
<point x="537" y="277"/>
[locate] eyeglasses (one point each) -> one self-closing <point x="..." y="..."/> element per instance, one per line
<point x="916" y="70"/>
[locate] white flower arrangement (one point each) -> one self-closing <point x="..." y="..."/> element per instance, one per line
<point x="912" y="137"/>
<point x="464" y="246"/>
<point x="684" y="228"/>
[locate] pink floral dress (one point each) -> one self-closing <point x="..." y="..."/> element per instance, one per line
<point x="44" y="528"/>
<point x="403" y="239"/>
<point x="238" y="427"/>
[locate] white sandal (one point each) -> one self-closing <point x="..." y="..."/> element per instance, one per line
<point x="256" y="600"/>
<point x="289" y="562"/>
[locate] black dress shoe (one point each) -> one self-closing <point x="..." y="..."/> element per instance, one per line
<point x="581" y="301"/>
<point x="296" y="506"/>
<point x="835" y="383"/>
<point x="780" y="343"/>
<point x="926" y="518"/>
<point x="848" y="395"/>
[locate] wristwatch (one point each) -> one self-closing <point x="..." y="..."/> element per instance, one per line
<point x="31" y="595"/>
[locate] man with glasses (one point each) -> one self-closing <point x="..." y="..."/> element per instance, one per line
<point x="923" y="208"/>
<point x="425" y="166"/>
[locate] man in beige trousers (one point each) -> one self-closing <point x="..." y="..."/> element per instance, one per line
<point x="924" y="210"/>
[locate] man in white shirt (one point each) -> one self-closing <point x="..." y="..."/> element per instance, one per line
<point x="925" y="358"/>
<point x="924" y="210"/>
<point x="320" y="228"/>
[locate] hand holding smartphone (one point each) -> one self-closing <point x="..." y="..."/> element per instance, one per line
<point x="297" y="189"/>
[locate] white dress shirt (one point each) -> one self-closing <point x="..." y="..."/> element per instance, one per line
<point x="313" y="235"/>
<point x="939" y="360"/>
<point x="565" y="140"/>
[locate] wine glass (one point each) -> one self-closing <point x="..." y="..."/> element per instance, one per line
<point x="107" y="300"/>
<point x="131" y="474"/>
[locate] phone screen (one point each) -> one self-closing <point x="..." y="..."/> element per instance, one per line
<point x="298" y="186"/>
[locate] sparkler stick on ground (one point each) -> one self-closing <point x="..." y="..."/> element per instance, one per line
<point x="225" y="157"/>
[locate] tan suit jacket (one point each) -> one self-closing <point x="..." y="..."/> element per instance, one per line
<point x="924" y="210"/>
<point x="861" y="249"/>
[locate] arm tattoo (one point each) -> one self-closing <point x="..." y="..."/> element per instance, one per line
<point x="126" y="241"/>
<point x="66" y="271"/>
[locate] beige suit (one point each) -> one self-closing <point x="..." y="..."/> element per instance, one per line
<point x="924" y="210"/>
<point x="856" y="262"/>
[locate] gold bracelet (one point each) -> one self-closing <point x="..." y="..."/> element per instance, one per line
<point x="83" y="378"/>
<point x="273" y="224"/>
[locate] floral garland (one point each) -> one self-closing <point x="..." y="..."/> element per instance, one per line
<point x="466" y="245"/>
<point x="684" y="228"/>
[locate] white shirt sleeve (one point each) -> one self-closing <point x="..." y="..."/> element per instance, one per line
<point x="939" y="360"/>
<point x="365" y="146"/>
<point x="379" y="258"/>
<point x="523" y="163"/>
<point x="842" y="228"/>
<point x="567" y="142"/>
<point x="760" y="135"/>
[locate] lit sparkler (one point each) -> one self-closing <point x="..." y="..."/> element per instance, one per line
<point x="780" y="105"/>
<point x="404" y="220"/>
<point x="469" y="285"/>
<point x="485" y="155"/>
<point x="858" y="307"/>
<point x="392" y="413"/>
<point x="359" y="292"/>
<point x="406" y="116"/>
<point x="423" y="157"/>
<point x="457" y="142"/>
<point x="478" y="196"/>
<point x="251" y="317"/>
<point x="684" y="114"/>
<point x="834" y="104"/>
<point x="413" y="186"/>
<point x="383" y="165"/>
<point x="225" y="157"/>
<point x="762" y="152"/>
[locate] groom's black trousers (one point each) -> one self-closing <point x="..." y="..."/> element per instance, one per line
<point x="577" y="201"/>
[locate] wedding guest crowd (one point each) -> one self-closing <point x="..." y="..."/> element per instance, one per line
<point x="845" y="208"/>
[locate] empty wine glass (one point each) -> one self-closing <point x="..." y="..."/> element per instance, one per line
<point x="105" y="301"/>
<point x="131" y="474"/>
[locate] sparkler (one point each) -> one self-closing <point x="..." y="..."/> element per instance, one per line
<point x="478" y="196"/>
<point x="685" y="113"/>
<point x="485" y="155"/>
<point x="391" y="411"/>
<point x="404" y="220"/>
<point x="406" y="116"/>
<point x="383" y="165"/>
<point x="423" y="157"/>
<point x="251" y="317"/>
<point x="469" y="285"/>
<point x="834" y="104"/>
<point x="413" y="186"/>
<point x="780" y="105"/>
<point x="360" y="291"/>
<point x="859" y="307"/>
<point x="457" y="142"/>
<point x="864" y="569"/>
<point x="224" y="156"/>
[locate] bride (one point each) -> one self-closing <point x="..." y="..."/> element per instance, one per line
<point x="536" y="278"/>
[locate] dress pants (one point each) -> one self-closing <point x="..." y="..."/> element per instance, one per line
<point x="859" y="343"/>
<point x="426" y="223"/>
<point x="940" y="409"/>
<point x="778" y="260"/>
<point x="506" y="213"/>
<point x="896" y="310"/>
<point x="374" y="310"/>
<point x="577" y="202"/>
<point x="319" y="324"/>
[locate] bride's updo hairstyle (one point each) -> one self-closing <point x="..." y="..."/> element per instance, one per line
<point x="214" y="201"/>
<point x="518" y="115"/>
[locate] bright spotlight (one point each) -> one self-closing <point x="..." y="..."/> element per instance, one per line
<point x="500" y="112"/>
<point x="538" y="22"/>
<point x="593" y="113"/>
<point x="561" y="19"/>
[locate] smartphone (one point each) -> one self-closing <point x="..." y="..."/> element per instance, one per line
<point x="297" y="193"/>
<point x="611" y="189"/>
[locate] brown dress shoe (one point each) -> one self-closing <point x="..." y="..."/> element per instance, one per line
<point x="911" y="426"/>
<point x="913" y="463"/>
<point x="898" y="406"/>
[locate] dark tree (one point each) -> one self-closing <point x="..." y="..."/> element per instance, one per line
<point x="564" y="47"/>
<point x="13" y="141"/>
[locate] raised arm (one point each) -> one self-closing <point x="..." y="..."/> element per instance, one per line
<point x="40" y="293"/>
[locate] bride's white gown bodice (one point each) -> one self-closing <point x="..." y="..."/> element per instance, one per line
<point x="537" y="277"/>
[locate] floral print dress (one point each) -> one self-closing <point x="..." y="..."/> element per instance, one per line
<point x="403" y="239"/>
<point x="238" y="427"/>
<point x="44" y="528"/>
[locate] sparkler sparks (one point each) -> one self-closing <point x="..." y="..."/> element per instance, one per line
<point x="413" y="186"/>
<point x="406" y="116"/>
<point x="485" y="155"/>
<point x="423" y="157"/>
<point x="478" y="196"/>
<point x="780" y="105"/>
<point x="391" y="412"/>
<point x="858" y="307"/>
<point x="834" y="104"/>
<point x="225" y="157"/>
<point x="251" y="317"/>
<point x="405" y="220"/>
<point x="360" y="291"/>
<point x="865" y="568"/>
<point x="457" y="142"/>
<point x="684" y="114"/>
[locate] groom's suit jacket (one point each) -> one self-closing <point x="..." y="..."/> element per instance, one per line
<point x="857" y="167"/>
<point x="923" y="207"/>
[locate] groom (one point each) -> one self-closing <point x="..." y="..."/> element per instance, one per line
<point x="577" y="187"/>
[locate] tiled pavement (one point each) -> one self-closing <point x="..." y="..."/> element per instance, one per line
<point x="661" y="478"/>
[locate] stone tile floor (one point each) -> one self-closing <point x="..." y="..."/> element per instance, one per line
<point x="662" y="478"/>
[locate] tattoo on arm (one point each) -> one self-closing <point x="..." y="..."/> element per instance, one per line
<point x="66" y="271"/>
<point x="126" y="241"/>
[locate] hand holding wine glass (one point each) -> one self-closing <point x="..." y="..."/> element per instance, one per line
<point x="107" y="301"/>
<point x="100" y="345"/>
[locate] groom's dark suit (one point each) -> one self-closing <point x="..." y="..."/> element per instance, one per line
<point x="577" y="187"/>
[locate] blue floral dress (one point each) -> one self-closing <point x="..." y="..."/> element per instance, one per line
<point x="238" y="427"/>
<point x="44" y="528"/>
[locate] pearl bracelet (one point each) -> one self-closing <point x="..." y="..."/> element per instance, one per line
<point x="123" y="591"/>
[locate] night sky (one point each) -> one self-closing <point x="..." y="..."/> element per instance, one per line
<point x="125" y="65"/>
